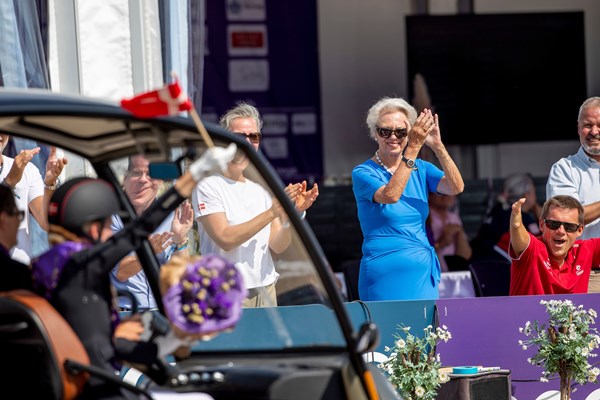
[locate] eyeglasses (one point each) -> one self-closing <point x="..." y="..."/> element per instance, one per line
<point x="386" y="132"/>
<point x="139" y="174"/>
<point x="17" y="213"/>
<point x="253" y="136"/>
<point x="554" y="225"/>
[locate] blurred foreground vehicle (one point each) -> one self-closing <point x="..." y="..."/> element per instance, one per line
<point x="305" y="348"/>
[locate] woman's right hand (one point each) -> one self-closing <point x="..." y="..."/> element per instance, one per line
<point x="424" y="124"/>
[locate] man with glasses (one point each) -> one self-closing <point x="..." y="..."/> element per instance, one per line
<point x="577" y="175"/>
<point x="238" y="219"/>
<point x="13" y="274"/>
<point x="557" y="262"/>
<point x="32" y="192"/>
<point x="170" y="238"/>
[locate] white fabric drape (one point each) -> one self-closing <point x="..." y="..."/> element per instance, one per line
<point x="115" y="50"/>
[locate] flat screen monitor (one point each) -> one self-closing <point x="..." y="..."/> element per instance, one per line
<point x="498" y="78"/>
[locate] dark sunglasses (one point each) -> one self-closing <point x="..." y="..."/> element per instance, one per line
<point x="253" y="136"/>
<point x="386" y="132"/>
<point x="17" y="213"/>
<point x="554" y="225"/>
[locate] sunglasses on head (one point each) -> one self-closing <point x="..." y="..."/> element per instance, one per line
<point x="253" y="136"/>
<point x="554" y="225"/>
<point x="386" y="132"/>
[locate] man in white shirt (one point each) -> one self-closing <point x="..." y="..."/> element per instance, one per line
<point x="32" y="193"/>
<point x="238" y="218"/>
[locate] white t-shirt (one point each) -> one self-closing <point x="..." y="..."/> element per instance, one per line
<point x="28" y="188"/>
<point x="240" y="201"/>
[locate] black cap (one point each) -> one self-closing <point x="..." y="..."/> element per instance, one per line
<point x="82" y="200"/>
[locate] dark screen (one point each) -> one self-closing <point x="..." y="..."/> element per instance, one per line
<point x="501" y="77"/>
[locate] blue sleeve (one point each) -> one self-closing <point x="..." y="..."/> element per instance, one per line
<point x="562" y="180"/>
<point x="365" y="182"/>
<point x="433" y="174"/>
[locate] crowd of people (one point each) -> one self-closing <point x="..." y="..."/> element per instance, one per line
<point x="407" y="209"/>
<point x="92" y="249"/>
<point x="411" y="232"/>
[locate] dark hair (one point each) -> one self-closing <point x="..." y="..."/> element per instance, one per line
<point x="7" y="199"/>
<point x="566" y="202"/>
<point x="82" y="200"/>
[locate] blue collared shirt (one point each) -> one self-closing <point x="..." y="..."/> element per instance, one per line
<point x="138" y="284"/>
<point x="578" y="176"/>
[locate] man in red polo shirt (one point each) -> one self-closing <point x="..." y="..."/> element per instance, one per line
<point x="556" y="262"/>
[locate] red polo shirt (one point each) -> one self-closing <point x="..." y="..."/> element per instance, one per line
<point x="534" y="273"/>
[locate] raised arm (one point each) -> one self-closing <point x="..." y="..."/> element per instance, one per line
<point x="391" y="193"/>
<point x="452" y="182"/>
<point x="519" y="238"/>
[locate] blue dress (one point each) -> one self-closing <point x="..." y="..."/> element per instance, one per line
<point x="398" y="262"/>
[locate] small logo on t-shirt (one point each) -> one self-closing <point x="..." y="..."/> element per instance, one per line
<point x="579" y="270"/>
<point x="547" y="264"/>
<point x="201" y="206"/>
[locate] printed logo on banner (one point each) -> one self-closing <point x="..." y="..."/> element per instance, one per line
<point x="247" y="40"/>
<point x="275" y="148"/>
<point x="248" y="75"/>
<point x="246" y="10"/>
<point x="304" y="123"/>
<point x="274" y="124"/>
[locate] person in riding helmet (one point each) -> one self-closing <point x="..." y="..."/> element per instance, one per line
<point x="74" y="275"/>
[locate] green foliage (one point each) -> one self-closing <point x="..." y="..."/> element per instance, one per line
<point x="412" y="366"/>
<point x="564" y="344"/>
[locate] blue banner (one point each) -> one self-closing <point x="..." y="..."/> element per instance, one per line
<point x="265" y="52"/>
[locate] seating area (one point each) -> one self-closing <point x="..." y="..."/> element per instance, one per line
<point x="490" y="277"/>
<point x="333" y="218"/>
<point x="479" y="194"/>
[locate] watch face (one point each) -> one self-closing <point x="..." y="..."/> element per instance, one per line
<point x="410" y="163"/>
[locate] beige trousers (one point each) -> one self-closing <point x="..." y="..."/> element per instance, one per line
<point x="261" y="297"/>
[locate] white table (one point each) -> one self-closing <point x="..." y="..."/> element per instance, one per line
<point x="456" y="284"/>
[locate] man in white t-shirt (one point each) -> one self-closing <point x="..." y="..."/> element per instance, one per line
<point x="32" y="193"/>
<point x="238" y="218"/>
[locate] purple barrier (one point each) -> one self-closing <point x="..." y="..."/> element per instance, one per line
<point x="485" y="331"/>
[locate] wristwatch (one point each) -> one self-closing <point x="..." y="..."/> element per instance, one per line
<point x="53" y="187"/>
<point x="409" y="162"/>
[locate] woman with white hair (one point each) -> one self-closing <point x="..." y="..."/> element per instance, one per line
<point x="391" y="191"/>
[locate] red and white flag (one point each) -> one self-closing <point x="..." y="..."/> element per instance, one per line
<point x="169" y="100"/>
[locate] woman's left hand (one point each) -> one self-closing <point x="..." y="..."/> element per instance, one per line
<point x="434" y="136"/>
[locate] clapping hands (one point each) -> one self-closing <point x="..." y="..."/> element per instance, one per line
<point x="54" y="167"/>
<point x="182" y="222"/>
<point x="301" y="197"/>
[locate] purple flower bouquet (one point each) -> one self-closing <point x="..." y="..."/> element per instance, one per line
<point x="47" y="268"/>
<point x="202" y="296"/>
